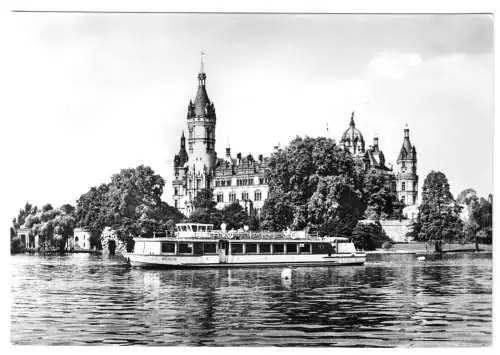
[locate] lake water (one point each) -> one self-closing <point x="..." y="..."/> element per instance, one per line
<point x="392" y="301"/>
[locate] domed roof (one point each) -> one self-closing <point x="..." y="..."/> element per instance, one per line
<point x="352" y="135"/>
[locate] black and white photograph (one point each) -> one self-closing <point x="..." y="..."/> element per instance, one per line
<point x="250" y="179"/>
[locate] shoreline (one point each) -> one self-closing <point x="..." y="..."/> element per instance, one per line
<point x="420" y="248"/>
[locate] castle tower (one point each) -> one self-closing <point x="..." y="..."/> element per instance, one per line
<point x="406" y="177"/>
<point x="198" y="168"/>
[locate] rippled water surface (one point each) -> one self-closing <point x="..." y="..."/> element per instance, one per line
<point x="393" y="300"/>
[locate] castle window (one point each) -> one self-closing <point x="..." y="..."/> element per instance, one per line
<point x="257" y="196"/>
<point x="176" y="191"/>
<point x="228" y="182"/>
<point x="261" y="180"/>
<point x="176" y="203"/>
<point x="220" y="198"/>
<point x="403" y="186"/>
<point x="403" y="165"/>
<point x="244" y="196"/>
<point x="232" y="197"/>
<point x="403" y="199"/>
<point x="414" y="186"/>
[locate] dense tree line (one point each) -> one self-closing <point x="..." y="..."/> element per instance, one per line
<point x="52" y="225"/>
<point x="130" y="204"/>
<point x="314" y="183"/>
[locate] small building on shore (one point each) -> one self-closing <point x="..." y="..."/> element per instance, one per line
<point x="28" y="240"/>
<point x="81" y="239"/>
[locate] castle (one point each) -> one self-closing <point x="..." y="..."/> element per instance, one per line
<point x="242" y="179"/>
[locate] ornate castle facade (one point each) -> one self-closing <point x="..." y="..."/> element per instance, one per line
<point x="242" y="179"/>
<point x="404" y="182"/>
<point x="197" y="167"/>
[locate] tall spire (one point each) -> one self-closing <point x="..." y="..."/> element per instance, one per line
<point x="201" y="75"/>
<point x="352" y="120"/>
<point x="202" y="68"/>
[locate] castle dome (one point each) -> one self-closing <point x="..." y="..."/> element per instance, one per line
<point x="352" y="136"/>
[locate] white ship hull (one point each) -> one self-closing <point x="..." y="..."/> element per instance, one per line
<point x="212" y="261"/>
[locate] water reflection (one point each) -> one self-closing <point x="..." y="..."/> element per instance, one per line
<point x="391" y="301"/>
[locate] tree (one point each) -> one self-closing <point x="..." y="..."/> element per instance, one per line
<point x="234" y="216"/>
<point x="381" y="202"/>
<point x="369" y="236"/>
<point x="23" y="213"/>
<point x="438" y="217"/>
<point x="335" y="207"/>
<point x="301" y="178"/>
<point x="47" y="207"/>
<point x="130" y="204"/>
<point x="477" y="217"/>
<point x="204" y="199"/>
<point x="67" y="209"/>
<point x="466" y="196"/>
<point x="277" y="212"/>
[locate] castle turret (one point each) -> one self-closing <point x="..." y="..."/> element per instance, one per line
<point x="407" y="178"/>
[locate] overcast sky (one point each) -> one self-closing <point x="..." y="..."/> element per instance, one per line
<point x="95" y="93"/>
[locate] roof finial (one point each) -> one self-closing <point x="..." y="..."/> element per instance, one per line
<point x="407" y="131"/>
<point x="202" y="68"/>
<point x="352" y="119"/>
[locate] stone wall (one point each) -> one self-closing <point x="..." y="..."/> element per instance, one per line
<point x="396" y="230"/>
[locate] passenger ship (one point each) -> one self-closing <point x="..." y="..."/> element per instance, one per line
<point x="198" y="245"/>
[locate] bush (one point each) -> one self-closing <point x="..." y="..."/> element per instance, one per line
<point x="369" y="236"/>
<point x="16" y="246"/>
<point x="387" y="245"/>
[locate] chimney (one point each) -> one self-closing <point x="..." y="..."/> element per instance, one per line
<point x="228" y="152"/>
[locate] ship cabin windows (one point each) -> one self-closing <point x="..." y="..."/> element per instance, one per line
<point x="167" y="247"/>
<point x="291" y="248"/>
<point x="278" y="248"/>
<point x="305" y="248"/>
<point x="185" y="248"/>
<point x="251" y="248"/>
<point x="209" y="248"/>
<point x="236" y="248"/>
<point x="265" y="248"/>
<point x="194" y="227"/>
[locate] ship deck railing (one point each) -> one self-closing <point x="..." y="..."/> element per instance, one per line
<point x="242" y="235"/>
